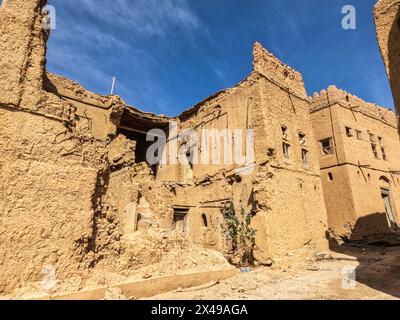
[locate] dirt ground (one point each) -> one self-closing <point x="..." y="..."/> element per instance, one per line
<point x="300" y="275"/>
<point x="324" y="276"/>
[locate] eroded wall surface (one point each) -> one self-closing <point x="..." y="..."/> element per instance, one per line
<point x="284" y="194"/>
<point x="63" y="166"/>
<point x="387" y="21"/>
<point x="48" y="171"/>
<point x="79" y="195"/>
<point x="287" y="186"/>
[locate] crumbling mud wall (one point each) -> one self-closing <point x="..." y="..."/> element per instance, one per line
<point x="94" y="114"/>
<point x="387" y="21"/>
<point x="351" y="171"/>
<point x="47" y="209"/>
<point x="60" y="153"/>
<point x="206" y="187"/>
<point x="283" y="195"/>
<point x="80" y="194"/>
<point x="287" y="187"/>
<point x="48" y="170"/>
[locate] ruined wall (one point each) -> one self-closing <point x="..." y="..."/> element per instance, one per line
<point x="387" y="21"/>
<point x="206" y="188"/>
<point x="285" y="194"/>
<point x="232" y="111"/>
<point x="351" y="171"/>
<point x="73" y="187"/>
<point x="95" y="115"/>
<point x="76" y="196"/>
<point x="226" y="110"/>
<point x="51" y="170"/>
<point x="46" y="211"/>
<point x="287" y="189"/>
<point x="22" y="52"/>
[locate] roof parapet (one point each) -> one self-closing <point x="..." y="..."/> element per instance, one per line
<point x="334" y="95"/>
<point x="271" y="67"/>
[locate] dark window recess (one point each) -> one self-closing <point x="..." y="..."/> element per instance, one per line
<point x="326" y="145"/>
<point x="374" y="150"/>
<point x="138" y="219"/>
<point x="349" y="132"/>
<point x="302" y="139"/>
<point x="384" y="157"/>
<point x="136" y="128"/>
<point x="372" y="137"/>
<point x="204" y="219"/>
<point x="304" y="156"/>
<point x="180" y="220"/>
<point x="141" y="146"/>
<point x="190" y="157"/>
<point x="286" y="150"/>
<point x="330" y="176"/>
<point x="284" y="132"/>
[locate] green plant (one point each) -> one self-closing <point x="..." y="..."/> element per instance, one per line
<point x="239" y="231"/>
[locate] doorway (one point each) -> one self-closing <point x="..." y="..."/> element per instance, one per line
<point x="388" y="208"/>
<point x="181" y="220"/>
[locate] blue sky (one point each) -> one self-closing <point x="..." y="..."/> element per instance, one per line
<point x="168" y="55"/>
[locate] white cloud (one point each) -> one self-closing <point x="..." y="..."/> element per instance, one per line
<point x="90" y="31"/>
<point x="140" y="17"/>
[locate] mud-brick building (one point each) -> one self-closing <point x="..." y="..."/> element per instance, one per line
<point x="280" y="185"/>
<point x="80" y="196"/>
<point x="359" y="154"/>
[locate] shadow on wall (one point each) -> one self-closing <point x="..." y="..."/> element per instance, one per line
<point x="394" y="60"/>
<point x="370" y="226"/>
<point x="378" y="254"/>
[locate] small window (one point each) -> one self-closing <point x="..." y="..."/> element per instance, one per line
<point x="349" y="132"/>
<point x="304" y="156"/>
<point x="384" y="157"/>
<point x="286" y="150"/>
<point x="326" y="145"/>
<point x="372" y="137"/>
<point x="189" y="156"/>
<point x="138" y="219"/>
<point x="204" y="219"/>
<point x="359" y="134"/>
<point x="374" y="150"/>
<point x="380" y="141"/>
<point x="330" y="176"/>
<point x="302" y="139"/>
<point x="180" y="220"/>
<point x="285" y="133"/>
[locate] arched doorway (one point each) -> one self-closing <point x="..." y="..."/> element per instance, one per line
<point x="384" y="183"/>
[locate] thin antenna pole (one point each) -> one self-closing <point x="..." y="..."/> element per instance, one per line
<point x="113" y="85"/>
